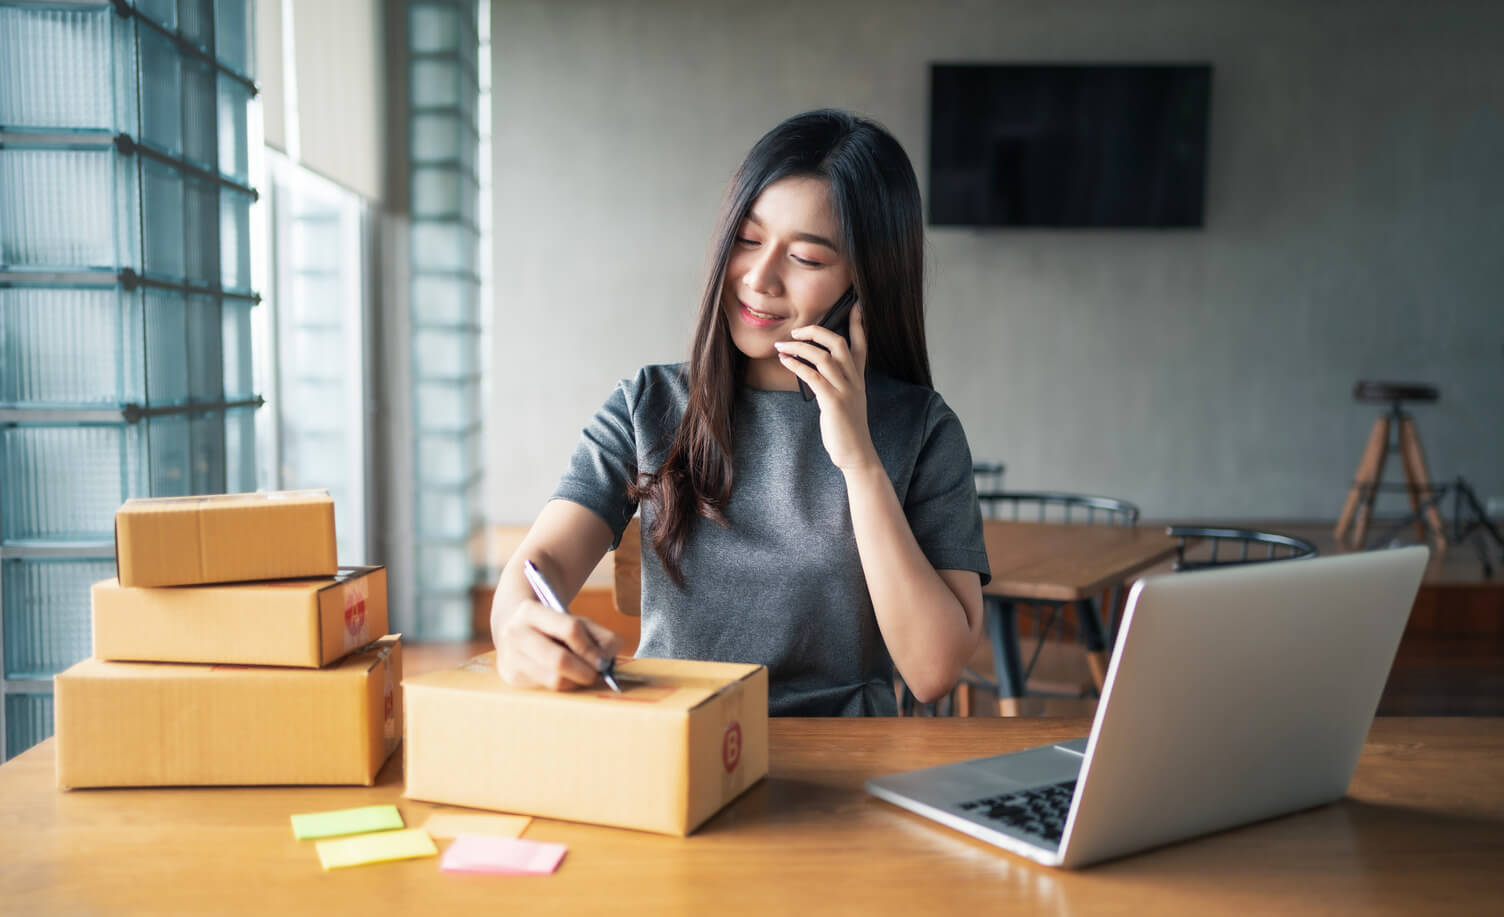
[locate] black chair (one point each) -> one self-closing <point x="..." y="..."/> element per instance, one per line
<point x="1001" y="612"/>
<point x="988" y="477"/>
<point x="1244" y="546"/>
<point x="1048" y="506"/>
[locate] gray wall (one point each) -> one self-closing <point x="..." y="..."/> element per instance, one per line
<point x="1353" y="228"/>
<point x="338" y="48"/>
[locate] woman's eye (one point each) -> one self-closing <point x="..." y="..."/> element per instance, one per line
<point x="743" y="240"/>
<point x="805" y="261"/>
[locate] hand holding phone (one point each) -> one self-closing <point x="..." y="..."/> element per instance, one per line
<point x="838" y="319"/>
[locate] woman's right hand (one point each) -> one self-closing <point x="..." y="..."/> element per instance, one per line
<point x="535" y="645"/>
<point x="538" y="647"/>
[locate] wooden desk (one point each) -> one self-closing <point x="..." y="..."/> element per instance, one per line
<point x="1055" y="562"/>
<point x="1422" y="830"/>
<point x="1068" y="563"/>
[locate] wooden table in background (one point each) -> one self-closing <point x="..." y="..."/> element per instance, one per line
<point x="1068" y="563"/>
<point x="1422" y="831"/>
<point x="1056" y="562"/>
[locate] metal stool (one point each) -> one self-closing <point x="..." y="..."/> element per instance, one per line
<point x="1358" y="510"/>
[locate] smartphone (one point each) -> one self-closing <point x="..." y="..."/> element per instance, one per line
<point x="838" y="319"/>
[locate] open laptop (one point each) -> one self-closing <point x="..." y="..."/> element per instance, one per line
<point x="1233" y="695"/>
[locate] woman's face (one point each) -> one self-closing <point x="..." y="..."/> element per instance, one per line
<point x="786" y="270"/>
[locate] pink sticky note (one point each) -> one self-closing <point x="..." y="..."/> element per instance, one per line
<point x="503" y="856"/>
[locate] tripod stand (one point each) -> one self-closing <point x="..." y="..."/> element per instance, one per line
<point x="1468" y="516"/>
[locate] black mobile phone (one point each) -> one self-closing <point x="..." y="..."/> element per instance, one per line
<point x="838" y="319"/>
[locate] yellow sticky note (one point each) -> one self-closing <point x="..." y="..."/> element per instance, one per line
<point x="444" y="824"/>
<point x="376" y="848"/>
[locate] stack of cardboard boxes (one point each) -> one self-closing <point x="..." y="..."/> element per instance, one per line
<point x="232" y="650"/>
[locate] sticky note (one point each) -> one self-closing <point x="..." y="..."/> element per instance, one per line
<point x="346" y="821"/>
<point x="376" y="848"/>
<point x="445" y="824"/>
<point x="501" y="856"/>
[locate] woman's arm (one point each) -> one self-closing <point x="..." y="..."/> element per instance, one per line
<point x="536" y="645"/>
<point x="930" y="620"/>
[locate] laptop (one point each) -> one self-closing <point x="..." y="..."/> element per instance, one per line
<point x="1233" y="695"/>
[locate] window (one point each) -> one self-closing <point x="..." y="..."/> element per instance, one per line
<point x="316" y="335"/>
<point x="125" y="301"/>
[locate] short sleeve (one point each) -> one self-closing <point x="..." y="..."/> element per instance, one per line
<point x="604" y="462"/>
<point x="941" y="503"/>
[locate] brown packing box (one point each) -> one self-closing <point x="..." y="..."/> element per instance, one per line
<point x="160" y="724"/>
<point x="664" y="756"/>
<point x="224" y="538"/>
<point x="303" y="622"/>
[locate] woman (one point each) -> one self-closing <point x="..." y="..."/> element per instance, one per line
<point x="828" y="540"/>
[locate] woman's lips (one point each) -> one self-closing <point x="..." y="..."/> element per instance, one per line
<point x="758" y="319"/>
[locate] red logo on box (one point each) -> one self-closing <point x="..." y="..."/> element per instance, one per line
<point x="355" y="612"/>
<point x="388" y="711"/>
<point x="731" y="746"/>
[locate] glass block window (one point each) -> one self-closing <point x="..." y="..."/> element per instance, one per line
<point x="484" y="212"/>
<point x="444" y="146"/>
<point x="125" y="299"/>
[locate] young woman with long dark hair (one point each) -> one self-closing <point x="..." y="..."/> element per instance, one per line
<point x="830" y="540"/>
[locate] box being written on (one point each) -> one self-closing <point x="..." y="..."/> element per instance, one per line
<point x="159" y="724"/>
<point x="302" y="622"/>
<point x="224" y="538"/>
<point x="683" y="740"/>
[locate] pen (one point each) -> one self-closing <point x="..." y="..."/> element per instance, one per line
<point x="546" y="595"/>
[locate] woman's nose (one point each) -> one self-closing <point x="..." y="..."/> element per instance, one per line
<point x="761" y="275"/>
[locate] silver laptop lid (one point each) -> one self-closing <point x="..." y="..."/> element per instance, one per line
<point x="1238" y="694"/>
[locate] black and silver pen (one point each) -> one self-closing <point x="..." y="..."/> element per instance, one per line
<point x="606" y="667"/>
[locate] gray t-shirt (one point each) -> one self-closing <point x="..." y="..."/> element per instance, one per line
<point x="782" y="584"/>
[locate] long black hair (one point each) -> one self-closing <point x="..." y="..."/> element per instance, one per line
<point x="875" y="197"/>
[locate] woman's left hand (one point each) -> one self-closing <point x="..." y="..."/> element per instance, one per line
<point x="838" y="379"/>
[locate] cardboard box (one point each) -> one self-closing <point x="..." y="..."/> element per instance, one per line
<point x="301" y="622"/>
<point x="160" y="724"/>
<point x="682" y="741"/>
<point x="224" y="538"/>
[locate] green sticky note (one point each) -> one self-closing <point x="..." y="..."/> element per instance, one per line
<point x="376" y="848"/>
<point x="346" y="821"/>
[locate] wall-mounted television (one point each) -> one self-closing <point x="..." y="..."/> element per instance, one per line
<point x="1068" y="145"/>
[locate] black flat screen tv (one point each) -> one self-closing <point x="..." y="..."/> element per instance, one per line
<point x="1111" y="145"/>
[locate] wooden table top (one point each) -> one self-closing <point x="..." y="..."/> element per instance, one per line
<point x="1422" y="830"/>
<point x="1066" y="563"/>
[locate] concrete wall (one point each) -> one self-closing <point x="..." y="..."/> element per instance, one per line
<point x="336" y="122"/>
<point x="1353" y="231"/>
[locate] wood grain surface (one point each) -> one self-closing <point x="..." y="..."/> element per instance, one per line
<point x="1422" y="831"/>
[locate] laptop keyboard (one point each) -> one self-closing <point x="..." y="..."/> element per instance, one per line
<point x="1040" y="811"/>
